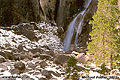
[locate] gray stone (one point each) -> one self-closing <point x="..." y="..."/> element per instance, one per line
<point x="61" y="59"/>
<point x="19" y="65"/>
<point x="26" y="30"/>
<point x="43" y="64"/>
<point x="47" y="74"/>
<point x="14" y="71"/>
<point x="31" y="65"/>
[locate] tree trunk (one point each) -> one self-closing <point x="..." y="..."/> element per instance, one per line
<point x="111" y="64"/>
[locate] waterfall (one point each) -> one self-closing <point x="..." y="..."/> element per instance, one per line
<point x="72" y="26"/>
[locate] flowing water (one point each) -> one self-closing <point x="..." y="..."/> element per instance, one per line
<point x="72" y="26"/>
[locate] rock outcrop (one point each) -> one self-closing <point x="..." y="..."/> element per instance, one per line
<point x="61" y="59"/>
<point x="18" y="11"/>
<point x="66" y="10"/>
<point x="48" y="7"/>
<point x="86" y="28"/>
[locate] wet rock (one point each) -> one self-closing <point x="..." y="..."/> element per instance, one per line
<point x="61" y="59"/>
<point x="2" y="59"/>
<point x="14" y="71"/>
<point x="47" y="74"/>
<point x="43" y="64"/>
<point x="19" y="65"/>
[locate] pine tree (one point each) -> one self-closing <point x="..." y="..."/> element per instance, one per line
<point x="104" y="36"/>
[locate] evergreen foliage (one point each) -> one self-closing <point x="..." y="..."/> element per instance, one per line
<point x="71" y="68"/>
<point x="105" y="41"/>
<point x="104" y="70"/>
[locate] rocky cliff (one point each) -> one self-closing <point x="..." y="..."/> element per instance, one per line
<point x="18" y="11"/>
<point x="86" y="27"/>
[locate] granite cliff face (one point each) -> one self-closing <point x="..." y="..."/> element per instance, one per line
<point x="66" y="10"/>
<point x="18" y="11"/>
<point x="86" y="28"/>
<point x="78" y="28"/>
<point x="48" y="7"/>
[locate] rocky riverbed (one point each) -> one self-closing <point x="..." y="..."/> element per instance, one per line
<point x="33" y="51"/>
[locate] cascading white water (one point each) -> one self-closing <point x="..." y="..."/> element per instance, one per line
<point x="72" y="25"/>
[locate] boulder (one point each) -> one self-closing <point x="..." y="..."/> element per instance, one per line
<point x="19" y="65"/>
<point x="51" y="53"/>
<point x="31" y="65"/>
<point x="17" y="57"/>
<point x="14" y="71"/>
<point x="81" y="58"/>
<point x="43" y="64"/>
<point x="7" y="55"/>
<point x="47" y="74"/>
<point x="61" y="59"/>
<point x="45" y="56"/>
<point x="25" y="29"/>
